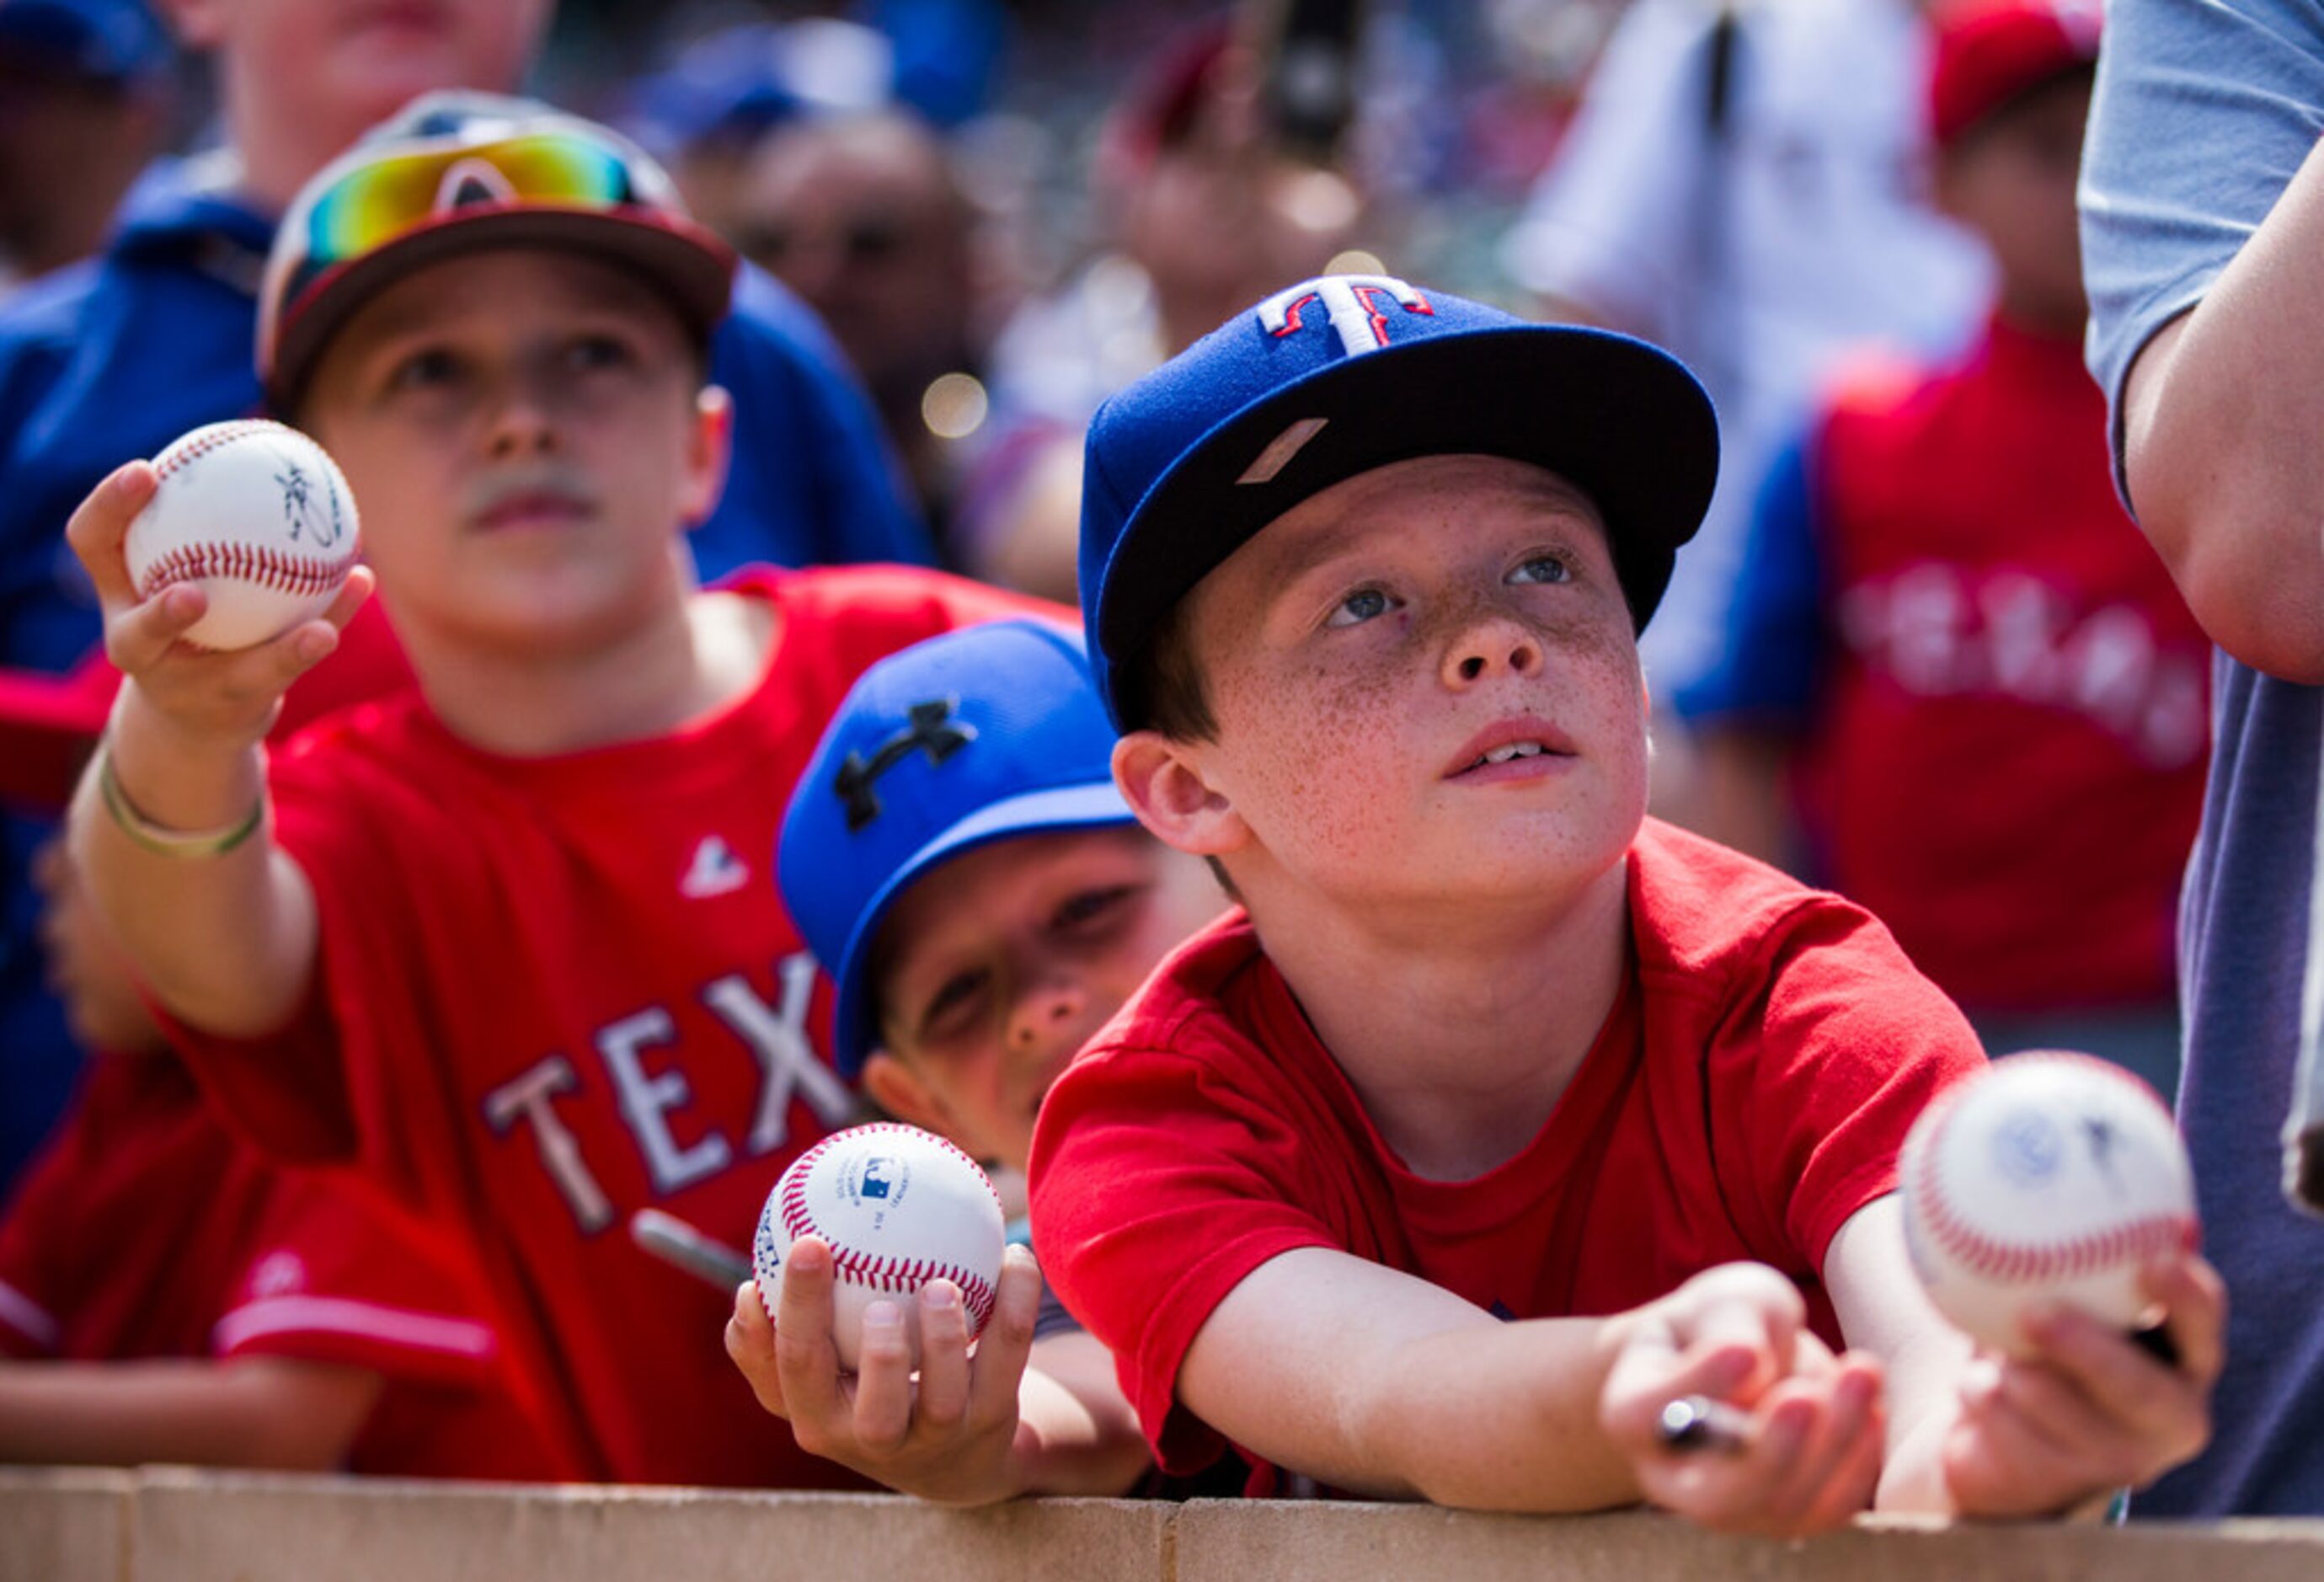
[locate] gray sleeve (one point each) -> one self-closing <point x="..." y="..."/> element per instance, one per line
<point x="2204" y="110"/>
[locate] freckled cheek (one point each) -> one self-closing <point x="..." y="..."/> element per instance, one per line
<point x="1324" y="761"/>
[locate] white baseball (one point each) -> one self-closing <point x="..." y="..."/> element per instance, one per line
<point x="259" y="517"/>
<point x="899" y="1207"/>
<point x="2050" y="1177"/>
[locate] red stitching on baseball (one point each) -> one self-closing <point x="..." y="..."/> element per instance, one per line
<point x="268" y="568"/>
<point x="186" y="451"/>
<point x="2017" y="1264"/>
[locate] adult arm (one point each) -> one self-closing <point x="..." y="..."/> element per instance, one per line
<point x="2202" y="212"/>
<point x="266" y="1413"/>
<point x="2219" y="418"/>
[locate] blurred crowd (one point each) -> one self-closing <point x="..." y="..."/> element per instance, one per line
<point x="1919" y="655"/>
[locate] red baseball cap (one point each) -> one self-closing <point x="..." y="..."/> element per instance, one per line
<point x="1989" y="52"/>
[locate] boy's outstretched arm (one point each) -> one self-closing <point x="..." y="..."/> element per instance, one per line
<point x="1975" y="1433"/>
<point x="1019" y="1417"/>
<point x="273" y="1412"/>
<point x="1380" y="1384"/>
<point x="221" y="930"/>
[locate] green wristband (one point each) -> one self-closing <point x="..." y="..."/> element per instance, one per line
<point x="148" y="836"/>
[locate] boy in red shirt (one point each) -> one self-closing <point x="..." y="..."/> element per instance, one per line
<point x="958" y="857"/>
<point x="1957" y="685"/>
<point x="1503" y="1115"/>
<point x="167" y="1293"/>
<point x="506" y="944"/>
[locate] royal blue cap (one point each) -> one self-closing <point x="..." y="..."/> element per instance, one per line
<point x="977" y="736"/>
<point x="1335" y="376"/>
<point x="101" y="40"/>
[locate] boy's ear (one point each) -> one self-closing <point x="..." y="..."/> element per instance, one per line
<point x="708" y="449"/>
<point x="1162" y="780"/>
<point x="895" y="1087"/>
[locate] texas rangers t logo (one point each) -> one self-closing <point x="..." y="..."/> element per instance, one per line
<point x="1352" y="301"/>
<point x="928" y="733"/>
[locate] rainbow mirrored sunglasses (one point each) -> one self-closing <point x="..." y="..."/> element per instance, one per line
<point x="387" y="197"/>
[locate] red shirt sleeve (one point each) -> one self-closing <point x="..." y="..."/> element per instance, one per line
<point x="1169" y="1161"/>
<point x="333" y="1277"/>
<point x="1828" y="1064"/>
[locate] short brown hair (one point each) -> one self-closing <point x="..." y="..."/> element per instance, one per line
<point x="1166" y="689"/>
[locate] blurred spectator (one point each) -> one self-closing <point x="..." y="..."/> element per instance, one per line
<point x="1745" y="185"/>
<point x="116" y="356"/>
<point x="1206" y="210"/>
<point x="1956" y="686"/>
<point x="166" y="1294"/>
<point x="84" y="95"/>
<point x="860" y="215"/>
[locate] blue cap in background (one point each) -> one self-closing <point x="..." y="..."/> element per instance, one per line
<point x="980" y="735"/>
<point x="101" y="40"/>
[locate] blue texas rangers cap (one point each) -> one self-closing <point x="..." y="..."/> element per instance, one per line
<point x="978" y="735"/>
<point x="1336" y="377"/>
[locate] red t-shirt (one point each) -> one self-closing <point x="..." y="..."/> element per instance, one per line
<point x="2007" y="764"/>
<point x="145" y="1231"/>
<point x="1748" y="1092"/>
<point x="555" y="991"/>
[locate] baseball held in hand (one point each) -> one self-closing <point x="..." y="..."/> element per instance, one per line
<point x="2050" y="1177"/>
<point x="257" y="516"/>
<point x="898" y="1207"/>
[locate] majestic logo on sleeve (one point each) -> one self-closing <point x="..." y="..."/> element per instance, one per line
<point x="716" y="870"/>
<point x="1356" y="304"/>
<point x="930" y="732"/>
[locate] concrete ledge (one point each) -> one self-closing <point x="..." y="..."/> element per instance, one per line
<point x="65" y="1523"/>
<point x="197" y="1527"/>
<point x="169" y="1524"/>
<point x="1217" y="1540"/>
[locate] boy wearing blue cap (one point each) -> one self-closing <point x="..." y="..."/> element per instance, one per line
<point x="958" y="857"/>
<point x="1503" y="1115"/>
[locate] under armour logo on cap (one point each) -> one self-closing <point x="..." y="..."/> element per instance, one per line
<point x="1352" y="302"/>
<point x="928" y="733"/>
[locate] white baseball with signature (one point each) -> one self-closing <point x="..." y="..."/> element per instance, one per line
<point x="259" y="517"/>
<point x="2050" y="1177"/>
<point x="899" y="1207"/>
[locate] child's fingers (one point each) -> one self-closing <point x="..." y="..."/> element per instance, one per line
<point x="137" y="636"/>
<point x="806" y="1361"/>
<point x="1006" y="1346"/>
<point x="751" y="1344"/>
<point x="1648" y="1378"/>
<point x="944" y="1358"/>
<point x="352" y="596"/>
<point x="1831" y="1476"/>
<point x="2194" y="1300"/>
<point x="883" y="1380"/>
<point x="2125" y="1396"/>
<point x="101" y="522"/>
